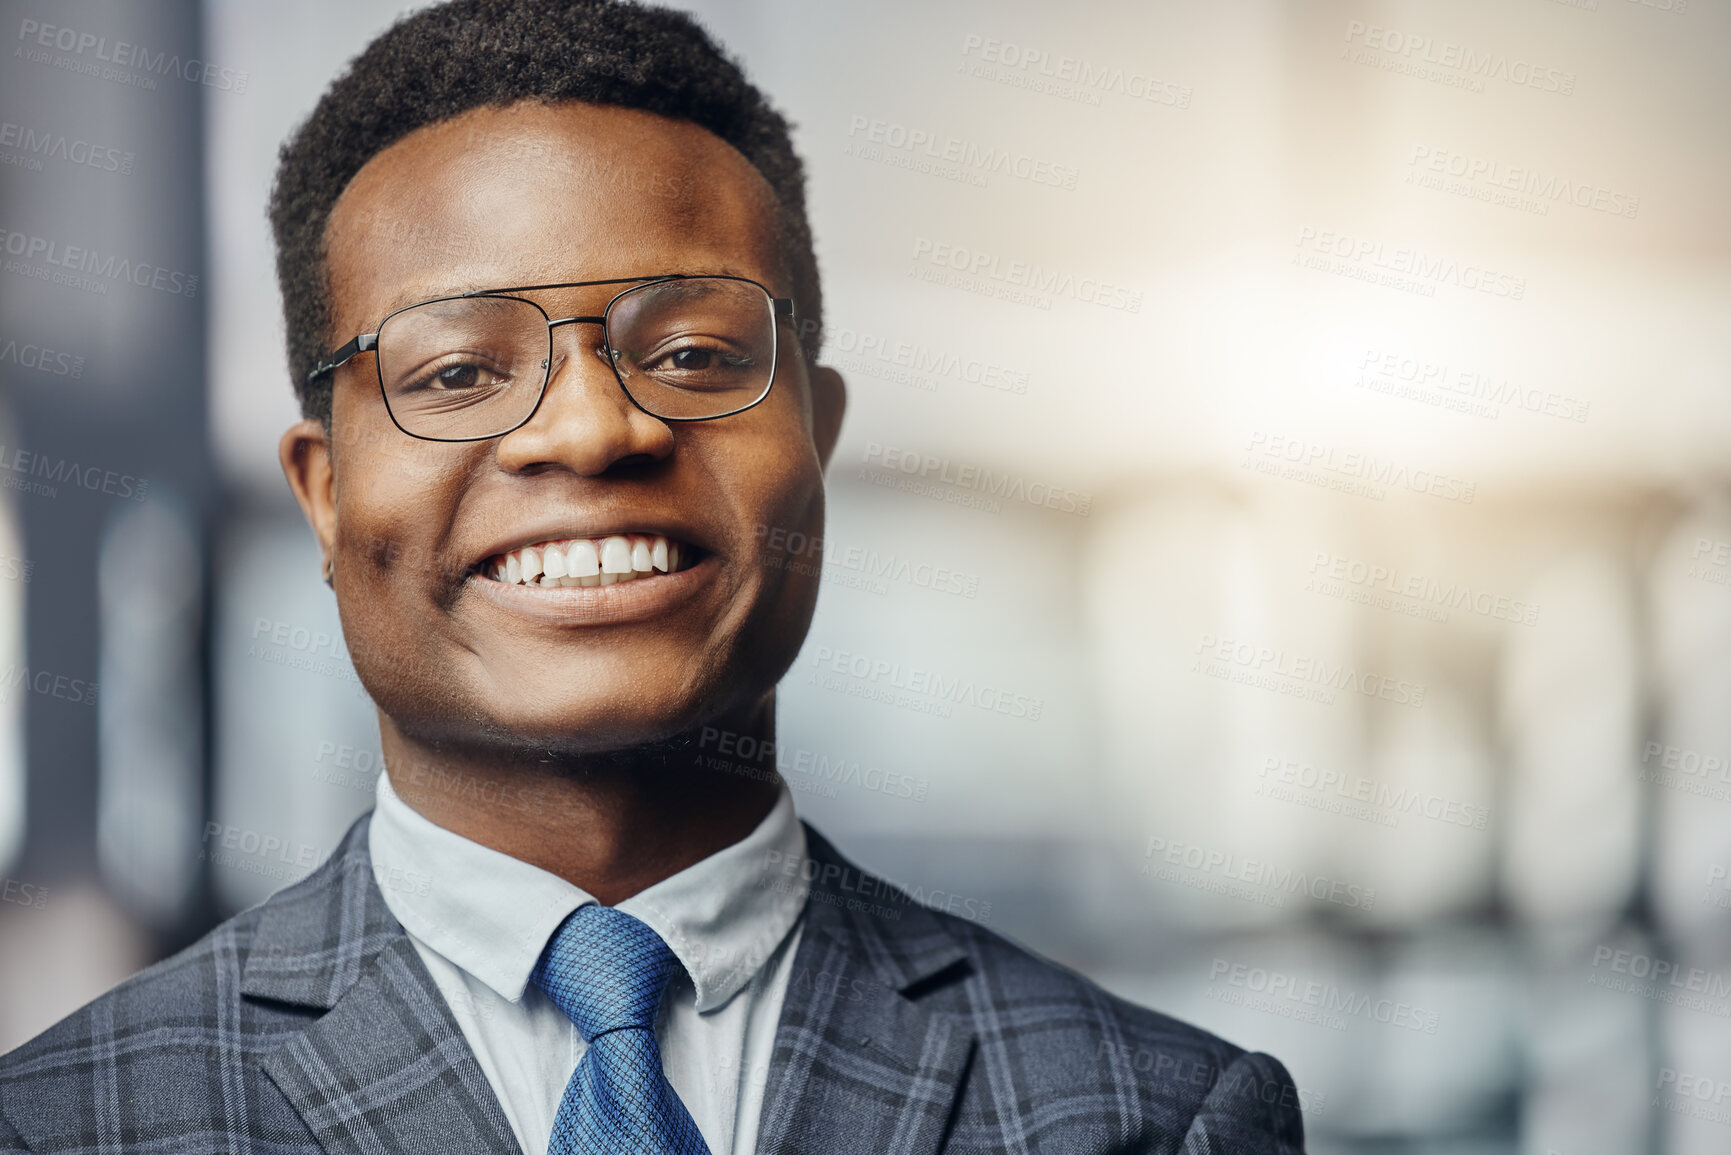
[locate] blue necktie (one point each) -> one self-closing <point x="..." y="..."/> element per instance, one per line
<point x="607" y="971"/>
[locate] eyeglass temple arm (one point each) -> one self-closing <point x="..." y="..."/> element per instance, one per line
<point x="362" y="344"/>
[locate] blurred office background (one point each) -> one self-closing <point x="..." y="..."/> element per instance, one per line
<point x="1280" y="549"/>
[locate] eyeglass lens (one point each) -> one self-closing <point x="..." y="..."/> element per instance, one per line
<point x="474" y="367"/>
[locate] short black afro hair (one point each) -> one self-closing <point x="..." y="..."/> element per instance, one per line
<point x="610" y="52"/>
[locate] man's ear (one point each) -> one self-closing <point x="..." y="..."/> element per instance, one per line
<point x="828" y="403"/>
<point x="305" y="452"/>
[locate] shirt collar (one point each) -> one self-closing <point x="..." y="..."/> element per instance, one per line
<point x="720" y="917"/>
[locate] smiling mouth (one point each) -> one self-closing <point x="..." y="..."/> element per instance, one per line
<point x="590" y="561"/>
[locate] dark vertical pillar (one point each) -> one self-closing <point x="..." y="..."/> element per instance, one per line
<point x="101" y="206"/>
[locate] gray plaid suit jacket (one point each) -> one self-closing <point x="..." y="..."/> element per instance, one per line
<point x="307" y="1025"/>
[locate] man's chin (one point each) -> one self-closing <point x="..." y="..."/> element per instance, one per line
<point x="590" y="731"/>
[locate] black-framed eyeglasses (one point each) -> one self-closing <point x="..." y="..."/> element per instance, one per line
<point x="469" y="367"/>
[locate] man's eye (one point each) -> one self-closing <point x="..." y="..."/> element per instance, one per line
<point x="697" y="362"/>
<point x="464" y="376"/>
<point x="456" y="378"/>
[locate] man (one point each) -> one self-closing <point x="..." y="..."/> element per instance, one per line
<point x="554" y="316"/>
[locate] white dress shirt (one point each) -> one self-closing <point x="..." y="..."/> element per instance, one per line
<point x="479" y="920"/>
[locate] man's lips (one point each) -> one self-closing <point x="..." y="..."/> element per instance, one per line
<point x="637" y="598"/>
<point x="587" y="562"/>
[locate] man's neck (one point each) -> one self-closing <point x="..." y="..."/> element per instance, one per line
<point x="612" y="824"/>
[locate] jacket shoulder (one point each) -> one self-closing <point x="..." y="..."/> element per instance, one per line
<point x="172" y="995"/>
<point x="1059" y="1063"/>
<point x="1060" y="1037"/>
<point x="1074" y="1018"/>
<point x="173" y="1053"/>
<point x="152" y="1044"/>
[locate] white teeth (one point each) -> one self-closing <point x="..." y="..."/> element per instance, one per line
<point x="582" y="560"/>
<point x="615" y="556"/>
<point x="586" y="562"/>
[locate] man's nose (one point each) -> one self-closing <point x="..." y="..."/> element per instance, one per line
<point x="585" y="421"/>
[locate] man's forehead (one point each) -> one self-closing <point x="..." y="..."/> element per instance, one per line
<point x="595" y="144"/>
<point x="548" y="192"/>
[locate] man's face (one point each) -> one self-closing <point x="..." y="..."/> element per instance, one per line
<point x="417" y="530"/>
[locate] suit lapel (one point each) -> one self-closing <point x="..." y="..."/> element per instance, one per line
<point x="386" y="1069"/>
<point x="859" y="1065"/>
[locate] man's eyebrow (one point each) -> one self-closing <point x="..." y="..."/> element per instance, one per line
<point x="409" y="297"/>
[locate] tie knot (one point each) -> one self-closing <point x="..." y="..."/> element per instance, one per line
<point x="606" y="970"/>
